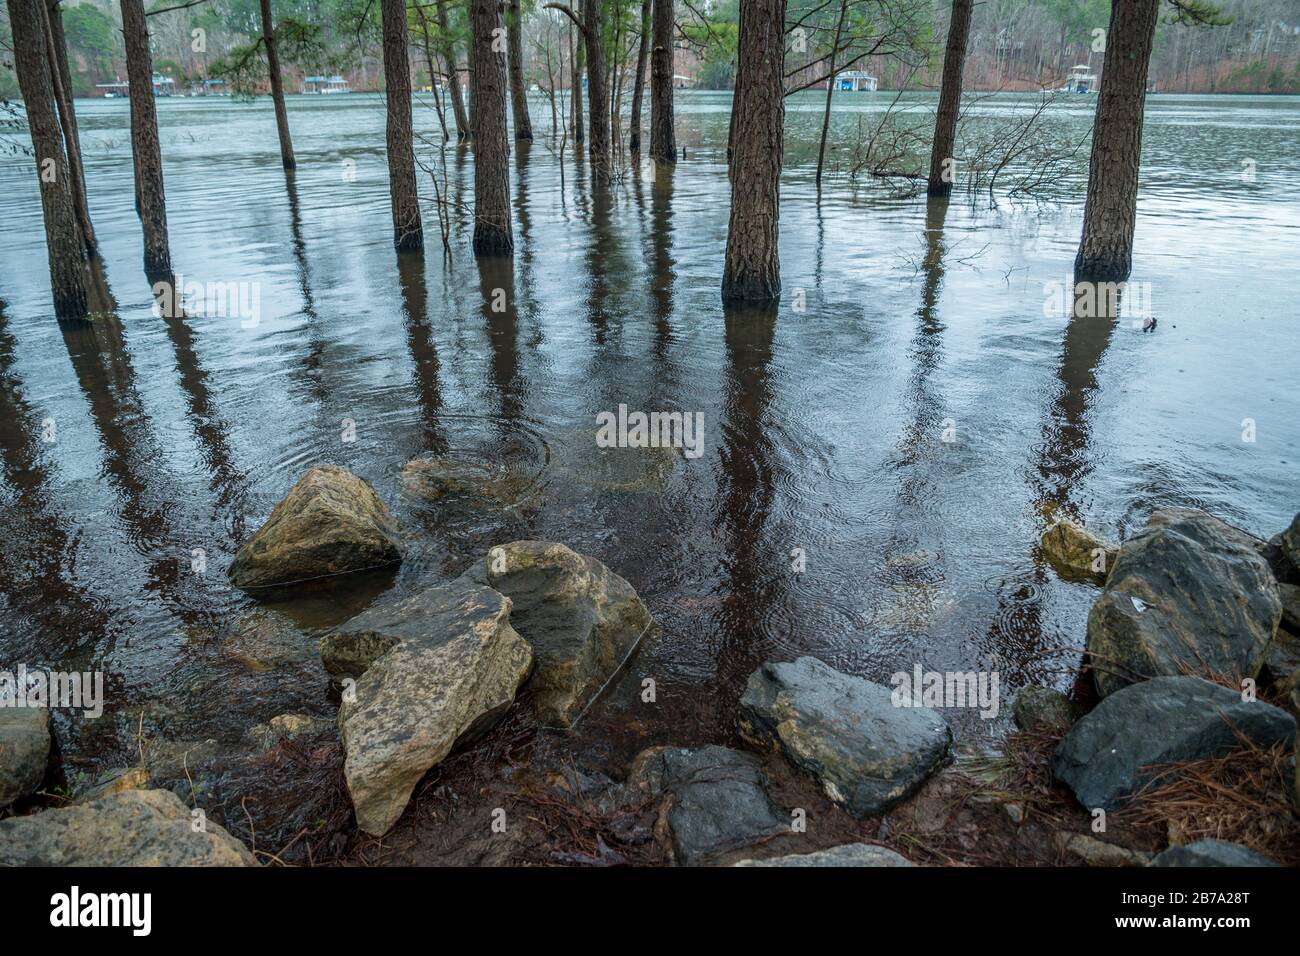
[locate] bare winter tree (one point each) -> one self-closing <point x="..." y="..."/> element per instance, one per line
<point x="408" y="232"/>
<point x="942" y="163"/>
<point x="277" y="87"/>
<point x="453" y="75"/>
<point x="150" y="197"/>
<point x="64" y="242"/>
<point x="752" y="271"/>
<point x="597" y="85"/>
<point x="487" y="94"/>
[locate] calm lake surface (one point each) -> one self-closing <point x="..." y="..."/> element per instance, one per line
<point x="132" y="448"/>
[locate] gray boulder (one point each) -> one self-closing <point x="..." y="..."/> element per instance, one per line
<point x="582" y="620"/>
<point x="1211" y="853"/>
<point x="866" y="752"/>
<point x="1289" y="542"/>
<point x="330" y="523"/>
<point x="1042" y="708"/>
<point x="851" y="854"/>
<point x="1108" y="754"/>
<point x="132" y="828"/>
<point x="24" y="750"/>
<point x="451" y="671"/>
<point x="1188" y="593"/>
<point x="715" y="800"/>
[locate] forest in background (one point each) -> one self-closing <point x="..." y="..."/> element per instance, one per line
<point x="1014" y="44"/>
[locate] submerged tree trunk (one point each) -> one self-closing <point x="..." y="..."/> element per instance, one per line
<point x="597" y="88"/>
<point x="277" y="87"/>
<point x="942" y="162"/>
<point x="752" y="272"/>
<point x="663" y="143"/>
<point x="63" y="239"/>
<point x="576" y="62"/>
<point x="408" y="233"/>
<point x="830" y="91"/>
<point x="61" y="77"/>
<point x="144" y="141"/>
<point x="453" y="75"/>
<point x="487" y="93"/>
<point x="518" y="92"/>
<point x="638" y="86"/>
<point x="1110" y="212"/>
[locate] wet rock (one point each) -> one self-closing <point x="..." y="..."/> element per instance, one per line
<point x="24" y="750"/>
<point x="134" y="828"/>
<point x="715" y="801"/>
<point x="1289" y="542"/>
<point x="117" y="780"/>
<point x="851" y="854"/>
<point x="1188" y="593"/>
<point x="284" y="727"/>
<point x="1090" y="851"/>
<point x="866" y="752"/>
<point x="1076" y="554"/>
<point x="1109" y="753"/>
<point x="582" y="620"/>
<point x="625" y="470"/>
<point x="1042" y="708"/>
<point x="331" y="522"/>
<point x="1290" y="595"/>
<point x="1283" y="661"/>
<point x="437" y="478"/>
<point x="1211" y="853"/>
<point x="451" y="672"/>
<point x="350" y="652"/>
<point x="264" y="640"/>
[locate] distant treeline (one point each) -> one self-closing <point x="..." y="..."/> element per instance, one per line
<point x="1014" y="44"/>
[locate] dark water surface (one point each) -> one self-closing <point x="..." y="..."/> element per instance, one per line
<point x="130" y="445"/>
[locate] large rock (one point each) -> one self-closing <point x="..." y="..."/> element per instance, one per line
<point x="133" y="828"/>
<point x="582" y="620"/>
<point x="1211" y="853"/>
<point x="1187" y="594"/>
<point x="867" y="753"/>
<point x="450" y="671"/>
<point x="1110" y="753"/>
<point x="1290" y="595"/>
<point x="714" y="802"/>
<point x="24" y="750"/>
<point x="331" y="522"/>
<point x="851" y="854"/>
<point x="1289" y="542"/>
<point x="1076" y="554"/>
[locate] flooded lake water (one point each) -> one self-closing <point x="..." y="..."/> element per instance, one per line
<point x="138" y="454"/>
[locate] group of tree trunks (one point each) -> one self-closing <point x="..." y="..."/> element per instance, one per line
<point x="751" y="268"/>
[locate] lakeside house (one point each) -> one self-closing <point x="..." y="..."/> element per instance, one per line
<point x="162" y="86"/>
<point x="325" y="85"/>
<point x="855" y="81"/>
<point x="1080" y="80"/>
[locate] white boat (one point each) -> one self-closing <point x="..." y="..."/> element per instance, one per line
<point x="1080" y="80"/>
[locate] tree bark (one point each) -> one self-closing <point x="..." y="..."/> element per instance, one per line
<point x="752" y="272"/>
<point x="830" y="90"/>
<point x="408" y="233"/>
<point x="1110" y="211"/>
<point x="61" y="77"/>
<point x="597" y="89"/>
<point x="945" y="124"/>
<point x="663" y="142"/>
<point x="577" y="61"/>
<point x="453" y="75"/>
<point x="150" y="195"/>
<point x="638" y="86"/>
<point x="518" y="92"/>
<point x="487" y="93"/>
<point x="64" y="242"/>
<point x="277" y="87"/>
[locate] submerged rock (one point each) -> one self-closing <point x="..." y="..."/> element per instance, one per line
<point x="1109" y="754"/>
<point x="433" y="479"/>
<point x="1211" y="853"/>
<point x="582" y="620"/>
<point x="118" y="780"/>
<point x="331" y="522"/>
<point x="1076" y="554"/>
<point x="24" y="750"/>
<point x="1189" y="593"/>
<point x="867" y="753"/>
<point x="133" y="828"/>
<point x="450" y="672"/>
<point x="851" y="854"/>
<point x="284" y="727"/>
<point x="1042" y="708"/>
<point x="715" y="800"/>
